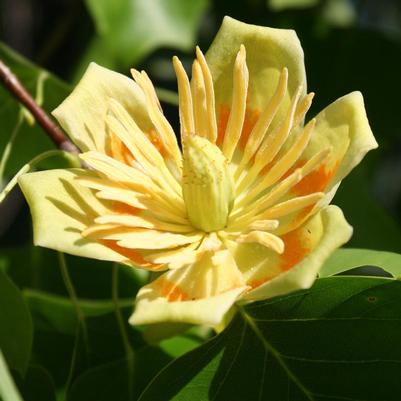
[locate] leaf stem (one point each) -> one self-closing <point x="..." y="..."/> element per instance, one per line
<point x="14" y="86"/>
<point x="7" y="150"/>
<point x="124" y="335"/>
<point x="73" y="296"/>
<point x="276" y="354"/>
<point x="26" y="168"/>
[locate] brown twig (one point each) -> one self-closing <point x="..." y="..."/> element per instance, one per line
<point x="14" y="86"/>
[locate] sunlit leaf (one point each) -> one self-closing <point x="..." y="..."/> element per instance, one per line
<point x="338" y="340"/>
<point x="347" y="259"/>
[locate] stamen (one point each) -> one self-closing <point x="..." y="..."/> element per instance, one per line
<point x="259" y="225"/>
<point x="238" y="105"/>
<point x="264" y="238"/>
<point x="157" y="117"/>
<point x="140" y="145"/>
<point x="303" y="108"/>
<point x="121" y="172"/>
<point x="287" y="160"/>
<point x="292" y="205"/>
<point x="273" y="196"/>
<point x="96" y="231"/>
<point x="185" y="99"/>
<point x="315" y="161"/>
<point x="264" y="225"/>
<point x="158" y="173"/>
<point x="262" y="125"/>
<point x="149" y="239"/>
<point x="128" y="220"/>
<point x="176" y="258"/>
<point x="116" y="170"/>
<point x="271" y="145"/>
<point x="199" y="100"/>
<point x="210" y="107"/>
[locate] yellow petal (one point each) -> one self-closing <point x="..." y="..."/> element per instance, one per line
<point x="61" y="209"/>
<point x="306" y="249"/>
<point x="343" y="128"/>
<point x="82" y="114"/>
<point x="269" y="51"/>
<point x="199" y="294"/>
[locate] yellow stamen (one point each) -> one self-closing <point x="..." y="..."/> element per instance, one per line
<point x="209" y="91"/>
<point x="263" y="238"/>
<point x="271" y="144"/>
<point x="149" y="239"/>
<point x="199" y="100"/>
<point x="176" y="258"/>
<point x="262" y="125"/>
<point x="157" y="117"/>
<point x="128" y="220"/>
<point x="238" y="105"/>
<point x="185" y="99"/>
<point x="287" y="160"/>
<point x="292" y="205"/>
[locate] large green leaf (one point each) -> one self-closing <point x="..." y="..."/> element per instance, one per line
<point x="337" y="341"/>
<point x="15" y="326"/>
<point x="29" y="140"/>
<point x="131" y="29"/>
<point x="113" y="381"/>
<point x="347" y="259"/>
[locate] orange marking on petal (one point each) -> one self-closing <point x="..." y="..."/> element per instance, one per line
<point x="171" y="291"/>
<point x="131" y="254"/>
<point x="267" y="168"/>
<point x="256" y="283"/>
<point x="251" y="117"/>
<point x="224" y="114"/>
<point x="122" y="208"/>
<point x="295" y="250"/>
<point x="154" y="137"/>
<point x="118" y="150"/>
<point x="316" y="181"/>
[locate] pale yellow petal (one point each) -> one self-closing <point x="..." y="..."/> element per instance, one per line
<point x="61" y="209"/>
<point x="82" y="114"/>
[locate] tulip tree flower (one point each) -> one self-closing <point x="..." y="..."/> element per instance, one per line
<point x="241" y="213"/>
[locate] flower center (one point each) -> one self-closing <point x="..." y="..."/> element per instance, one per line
<point x="207" y="185"/>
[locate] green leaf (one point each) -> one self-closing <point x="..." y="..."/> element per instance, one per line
<point x="15" y="326"/>
<point x="279" y="5"/>
<point x="129" y="30"/>
<point x="337" y="341"/>
<point x="37" y="385"/>
<point x="28" y="140"/>
<point x="55" y="312"/>
<point x="348" y="258"/>
<point x="112" y="381"/>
